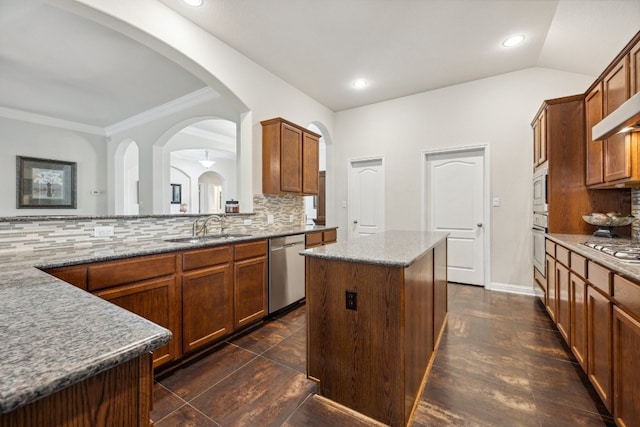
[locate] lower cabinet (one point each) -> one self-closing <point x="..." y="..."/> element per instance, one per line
<point x="200" y="295"/>
<point x="250" y="288"/>
<point x="626" y="373"/>
<point x="578" y="312"/>
<point x="154" y="300"/>
<point x="599" y="343"/>
<point x="562" y="301"/>
<point x="551" y="286"/>
<point x="207" y="306"/>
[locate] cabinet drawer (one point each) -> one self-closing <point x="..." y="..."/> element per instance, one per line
<point x="562" y="255"/>
<point x="250" y="250"/>
<point x="76" y="276"/>
<point x="578" y="264"/>
<point x="550" y="248"/>
<point x="330" y="236"/>
<point x="313" y="239"/>
<point x="627" y="293"/>
<point x="206" y="257"/>
<point x="599" y="277"/>
<point x="114" y="273"/>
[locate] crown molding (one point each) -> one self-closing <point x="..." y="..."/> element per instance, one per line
<point x="39" y="119"/>
<point x="189" y="100"/>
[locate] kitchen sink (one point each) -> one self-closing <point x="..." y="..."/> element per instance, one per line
<point x="199" y="239"/>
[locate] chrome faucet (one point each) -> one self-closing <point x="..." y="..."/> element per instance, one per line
<point x="196" y="230"/>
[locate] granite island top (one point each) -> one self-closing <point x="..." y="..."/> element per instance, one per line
<point x="54" y="334"/>
<point x="575" y="242"/>
<point x="391" y="248"/>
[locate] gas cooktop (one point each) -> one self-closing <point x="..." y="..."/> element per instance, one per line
<point x="623" y="251"/>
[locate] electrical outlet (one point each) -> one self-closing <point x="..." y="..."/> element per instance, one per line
<point x="247" y="222"/>
<point x="290" y="218"/>
<point x="351" y="300"/>
<point x="105" y="231"/>
<point x="495" y="202"/>
<point x="269" y="219"/>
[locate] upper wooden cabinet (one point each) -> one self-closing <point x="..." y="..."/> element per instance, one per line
<point x="290" y="156"/>
<point x="539" y="127"/>
<point x="613" y="162"/>
<point x="593" y="109"/>
<point x="561" y="124"/>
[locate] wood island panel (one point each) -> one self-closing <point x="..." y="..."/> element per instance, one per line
<point x="375" y="359"/>
<point x="120" y="396"/>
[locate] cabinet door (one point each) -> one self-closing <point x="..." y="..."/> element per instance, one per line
<point x="634" y="69"/>
<point x="251" y="304"/>
<point x="594" y="109"/>
<point x="551" y="287"/>
<point x="156" y="301"/>
<point x="617" y="164"/>
<point x="540" y="139"/>
<point x="563" y="311"/>
<point x="310" y="165"/>
<point x="578" y="313"/>
<point x="207" y="306"/>
<point x="290" y="159"/>
<point x="626" y="373"/>
<point x="599" y="344"/>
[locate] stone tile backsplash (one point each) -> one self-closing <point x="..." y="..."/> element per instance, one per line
<point x="635" y="211"/>
<point x="31" y="233"/>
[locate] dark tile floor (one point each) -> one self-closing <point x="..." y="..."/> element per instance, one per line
<point x="501" y="362"/>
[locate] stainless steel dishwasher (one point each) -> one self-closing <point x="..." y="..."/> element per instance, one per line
<point x="286" y="271"/>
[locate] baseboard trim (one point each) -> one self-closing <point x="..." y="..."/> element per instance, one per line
<point x="513" y="289"/>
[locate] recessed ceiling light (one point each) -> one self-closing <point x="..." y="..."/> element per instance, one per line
<point x="360" y="84"/>
<point x="513" y="40"/>
<point x="194" y="3"/>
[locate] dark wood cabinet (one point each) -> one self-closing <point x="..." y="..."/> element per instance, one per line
<point x="290" y="155"/>
<point x="578" y="312"/>
<point x="154" y="300"/>
<point x="539" y="126"/>
<point x="634" y="68"/>
<point x="551" y="286"/>
<point x="594" y="113"/>
<point x="599" y="343"/>
<point x="319" y="238"/>
<point x="626" y="362"/>
<point x="77" y="276"/>
<point x="563" y="312"/>
<point x="250" y="287"/>
<point x="207" y="296"/>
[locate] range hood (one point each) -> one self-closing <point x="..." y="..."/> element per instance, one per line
<point x="625" y="116"/>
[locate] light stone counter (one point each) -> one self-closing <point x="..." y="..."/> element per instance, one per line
<point x="390" y="248"/>
<point x="575" y="242"/>
<point x="53" y="334"/>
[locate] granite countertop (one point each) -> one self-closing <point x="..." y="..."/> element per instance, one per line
<point x="391" y="248"/>
<point x="54" y="334"/>
<point x="575" y="242"/>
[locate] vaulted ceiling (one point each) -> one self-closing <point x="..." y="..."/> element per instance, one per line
<point x="55" y="64"/>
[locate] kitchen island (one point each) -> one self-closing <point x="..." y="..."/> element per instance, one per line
<point x="376" y="307"/>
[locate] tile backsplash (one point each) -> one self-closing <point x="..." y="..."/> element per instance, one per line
<point x="635" y="211"/>
<point x="30" y="233"/>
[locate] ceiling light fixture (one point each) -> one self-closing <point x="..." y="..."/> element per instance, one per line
<point x="360" y="84"/>
<point x="513" y="40"/>
<point x="206" y="163"/>
<point x="194" y="3"/>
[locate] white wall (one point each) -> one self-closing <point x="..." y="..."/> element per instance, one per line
<point x="20" y="138"/>
<point x="496" y="111"/>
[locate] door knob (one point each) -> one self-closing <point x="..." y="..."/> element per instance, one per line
<point x="355" y="221"/>
<point x="479" y="224"/>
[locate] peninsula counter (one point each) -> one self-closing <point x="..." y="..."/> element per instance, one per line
<point x="376" y="307"/>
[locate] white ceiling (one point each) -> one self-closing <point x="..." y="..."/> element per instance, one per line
<point x="55" y="64"/>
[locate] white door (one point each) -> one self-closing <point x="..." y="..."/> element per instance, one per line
<point x="456" y="204"/>
<point x="366" y="197"/>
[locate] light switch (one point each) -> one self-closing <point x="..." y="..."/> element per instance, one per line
<point x="495" y="202"/>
